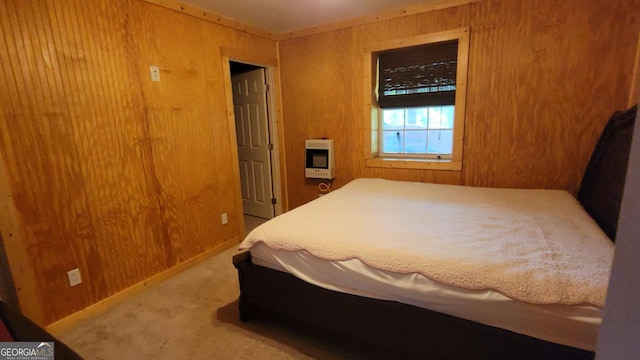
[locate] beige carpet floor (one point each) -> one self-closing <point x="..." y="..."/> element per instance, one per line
<point x="194" y="315"/>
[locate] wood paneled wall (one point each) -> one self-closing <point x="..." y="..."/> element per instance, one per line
<point x="103" y="169"/>
<point x="544" y="77"/>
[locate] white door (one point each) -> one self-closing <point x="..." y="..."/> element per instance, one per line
<point x="252" y="132"/>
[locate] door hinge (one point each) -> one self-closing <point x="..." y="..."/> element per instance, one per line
<point x="266" y="87"/>
<point x="270" y="146"/>
<point x="274" y="201"/>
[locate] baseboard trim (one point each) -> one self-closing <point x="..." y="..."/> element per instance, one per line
<point x="103" y="305"/>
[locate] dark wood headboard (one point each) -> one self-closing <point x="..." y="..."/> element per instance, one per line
<point x="603" y="182"/>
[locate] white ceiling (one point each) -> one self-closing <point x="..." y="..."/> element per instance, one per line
<point x="282" y="16"/>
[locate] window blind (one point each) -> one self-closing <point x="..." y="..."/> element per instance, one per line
<point x="422" y="75"/>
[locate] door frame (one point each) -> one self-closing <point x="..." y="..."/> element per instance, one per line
<point x="275" y="124"/>
<point x="13" y="253"/>
<point x="8" y="293"/>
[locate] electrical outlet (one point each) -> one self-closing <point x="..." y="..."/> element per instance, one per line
<point x="155" y="73"/>
<point x="74" y="277"/>
<point x="224" y="218"/>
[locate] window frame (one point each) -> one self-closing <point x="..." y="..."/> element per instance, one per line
<point x="373" y="112"/>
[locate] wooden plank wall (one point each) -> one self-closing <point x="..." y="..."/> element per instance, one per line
<point x="544" y="76"/>
<point x="103" y="169"/>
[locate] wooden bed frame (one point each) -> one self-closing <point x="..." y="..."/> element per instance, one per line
<point x="406" y="331"/>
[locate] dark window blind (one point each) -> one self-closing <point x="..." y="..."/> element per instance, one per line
<point x="422" y="75"/>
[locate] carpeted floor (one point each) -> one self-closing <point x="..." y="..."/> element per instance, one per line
<point x="194" y="315"/>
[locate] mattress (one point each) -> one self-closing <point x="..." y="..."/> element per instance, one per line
<point x="559" y="321"/>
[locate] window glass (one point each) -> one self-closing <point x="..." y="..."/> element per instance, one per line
<point x="393" y="142"/>
<point x="426" y="130"/>
<point x="440" y="142"/>
<point x="393" y="119"/>
<point x="415" y="142"/>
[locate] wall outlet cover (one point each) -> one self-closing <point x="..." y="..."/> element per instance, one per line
<point x="74" y="277"/>
<point x="155" y="73"/>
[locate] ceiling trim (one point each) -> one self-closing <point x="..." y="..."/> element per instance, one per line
<point x="361" y="20"/>
<point x="379" y="16"/>
<point x="212" y="17"/>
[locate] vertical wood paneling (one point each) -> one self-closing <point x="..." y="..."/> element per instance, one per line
<point x="320" y="73"/>
<point x="105" y="170"/>
<point x="543" y="79"/>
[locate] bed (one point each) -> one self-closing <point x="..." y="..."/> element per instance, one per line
<point x="441" y="271"/>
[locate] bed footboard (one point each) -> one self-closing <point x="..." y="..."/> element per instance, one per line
<point x="392" y="327"/>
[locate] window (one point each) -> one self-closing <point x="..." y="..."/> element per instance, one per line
<point x="426" y="131"/>
<point x="417" y="93"/>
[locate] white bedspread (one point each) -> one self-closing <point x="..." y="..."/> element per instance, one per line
<point x="534" y="246"/>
